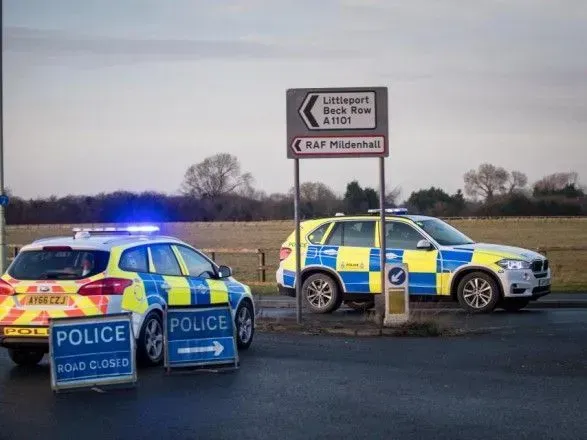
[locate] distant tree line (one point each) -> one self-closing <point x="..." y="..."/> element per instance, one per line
<point x="217" y="190"/>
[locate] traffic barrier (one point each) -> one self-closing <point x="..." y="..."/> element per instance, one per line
<point x="91" y="351"/>
<point x="200" y="337"/>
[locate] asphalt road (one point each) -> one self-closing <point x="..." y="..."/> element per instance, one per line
<point x="526" y="379"/>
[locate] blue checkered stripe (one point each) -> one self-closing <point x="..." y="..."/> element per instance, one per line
<point x="199" y="290"/>
<point x="154" y="294"/>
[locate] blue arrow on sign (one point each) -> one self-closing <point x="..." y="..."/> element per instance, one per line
<point x="397" y="276"/>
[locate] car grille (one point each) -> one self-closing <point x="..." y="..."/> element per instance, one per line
<point x="539" y="266"/>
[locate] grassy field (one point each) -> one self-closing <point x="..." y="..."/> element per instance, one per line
<point x="570" y="267"/>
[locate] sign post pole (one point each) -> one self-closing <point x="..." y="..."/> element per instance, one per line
<point x="382" y="244"/>
<point x="298" y="279"/>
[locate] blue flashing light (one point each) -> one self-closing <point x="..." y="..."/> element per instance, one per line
<point x="143" y="228"/>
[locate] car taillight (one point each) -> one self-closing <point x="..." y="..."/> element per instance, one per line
<point x="106" y="286"/>
<point x="5" y="288"/>
<point x="284" y="253"/>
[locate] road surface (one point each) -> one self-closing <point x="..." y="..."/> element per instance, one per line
<point x="526" y="379"/>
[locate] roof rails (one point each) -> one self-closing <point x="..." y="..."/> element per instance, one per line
<point x="394" y="211"/>
<point x="128" y="230"/>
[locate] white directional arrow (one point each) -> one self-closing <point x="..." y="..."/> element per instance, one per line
<point x="395" y="278"/>
<point x="216" y="347"/>
<point x="330" y="252"/>
<point x="391" y="255"/>
<point x="339" y="110"/>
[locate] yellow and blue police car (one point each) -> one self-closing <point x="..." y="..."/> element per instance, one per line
<point x="340" y="262"/>
<point x="101" y="271"/>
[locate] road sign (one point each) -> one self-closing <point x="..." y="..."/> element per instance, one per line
<point x="397" y="296"/>
<point x="92" y="350"/>
<point x="397" y="276"/>
<point x="339" y="110"/>
<point x="199" y="337"/>
<point x="337" y="122"/>
<point x="336" y="145"/>
<point x="4" y="200"/>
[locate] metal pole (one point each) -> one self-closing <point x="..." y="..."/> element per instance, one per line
<point x="298" y="252"/>
<point x="2" y="219"/>
<point x="382" y="215"/>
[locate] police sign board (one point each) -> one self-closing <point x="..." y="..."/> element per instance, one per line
<point x="199" y="337"/>
<point x="92" y="350"/>
<point x="337" y="122"/>
<point x="397" y="295"/>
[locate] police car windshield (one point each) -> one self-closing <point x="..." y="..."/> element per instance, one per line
<point x="443" y="233"/>
<point x="58" y="264"/>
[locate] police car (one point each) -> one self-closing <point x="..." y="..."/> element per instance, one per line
<point x="340" y="262"/>
<point x="101" y="271"/>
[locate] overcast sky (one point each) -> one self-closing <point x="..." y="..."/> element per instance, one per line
<point x="101" y="95"/>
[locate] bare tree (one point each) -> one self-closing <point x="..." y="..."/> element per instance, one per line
<point x="215" y="176"/>
<point x="392" y="196"/>
<point x="486" y="182"/>
<point x="517" y="181"/>
<point x="556" y="182"/>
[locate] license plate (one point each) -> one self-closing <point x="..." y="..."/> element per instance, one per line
<point x="543" y="282"/>
<point x="45" y="300"/>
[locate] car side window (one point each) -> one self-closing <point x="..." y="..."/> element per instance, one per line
<point x="164" y="260"/>
<point x="353" y="233"/>
<point x="400" y="235"/>
<point x="197" y="265"/>
<point x="135" y="260"/>
<point x="317" y="234"/>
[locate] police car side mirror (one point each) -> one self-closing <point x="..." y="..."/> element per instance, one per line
<point x="224" y="272"/>
<point x="424" y="245"/>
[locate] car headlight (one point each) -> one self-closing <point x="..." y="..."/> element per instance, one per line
<point x="514" y="264"/>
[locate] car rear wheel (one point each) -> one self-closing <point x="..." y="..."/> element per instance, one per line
<point x="25" y="357"/>
<point x="478" y="293"/>
<point x="514" y="304"/>
<point x="245" y="325"/>
<point x="150" y="342"/>
<point x="321" y="293"/>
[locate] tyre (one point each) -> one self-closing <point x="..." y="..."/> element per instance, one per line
<point x="478" y="292"/>
<point x="360" y="306"/>
<point x="150" y="341"/>
<point x="25" y="357"/>
<point x="244" y="322"/>
<point x="321" y="293"/>
<point x="514" y="304"/>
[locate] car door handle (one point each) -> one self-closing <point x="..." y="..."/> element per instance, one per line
<point x="165" y="286"/>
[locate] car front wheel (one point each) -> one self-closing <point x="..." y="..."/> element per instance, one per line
<point x="150" y="342"/>
<point x="478" y="293"/>
<point x="245" y="325"/>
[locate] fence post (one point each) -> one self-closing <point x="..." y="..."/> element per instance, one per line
<point x="261" y="269"/>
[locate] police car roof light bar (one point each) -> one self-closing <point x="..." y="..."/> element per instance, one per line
<point x="396" y="211"/>
<point x="128" y="230"/>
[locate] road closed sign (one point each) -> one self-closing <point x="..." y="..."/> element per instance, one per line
<point x="92" y="351"/>
<point x="199" y="337"/>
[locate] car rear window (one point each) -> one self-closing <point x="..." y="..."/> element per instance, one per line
<point x="58" y="264"/>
